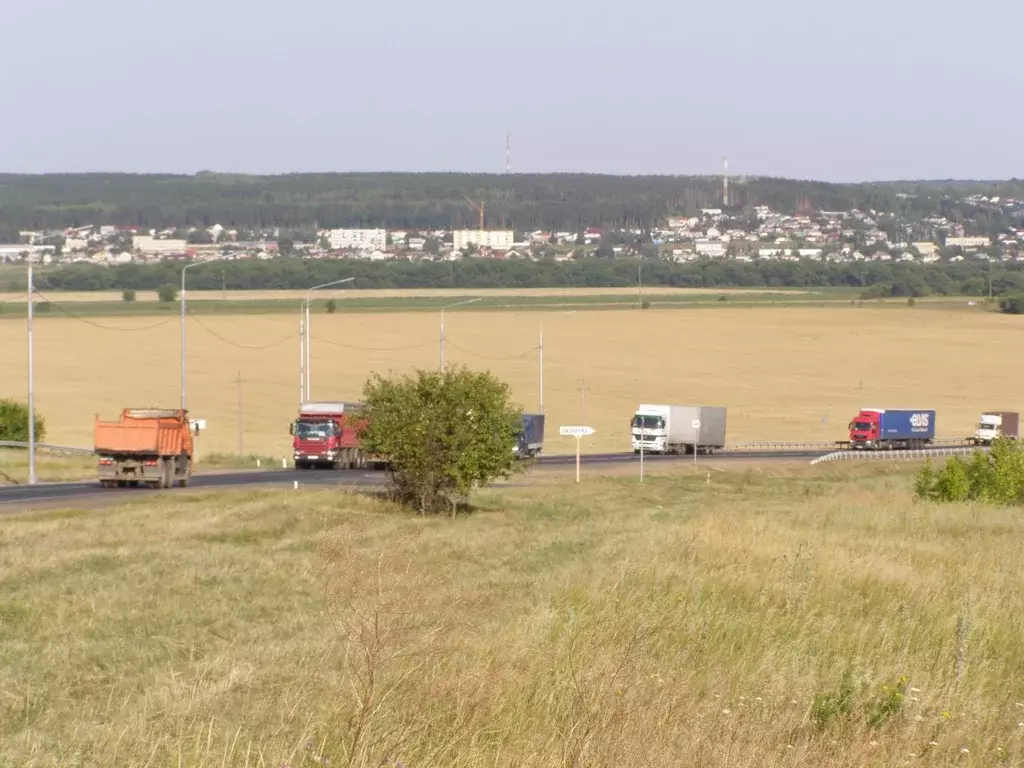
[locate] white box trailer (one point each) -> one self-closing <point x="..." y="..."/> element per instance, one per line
<point x="661" y="428"/>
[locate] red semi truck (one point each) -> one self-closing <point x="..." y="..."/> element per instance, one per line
<point x="326" y="434"/>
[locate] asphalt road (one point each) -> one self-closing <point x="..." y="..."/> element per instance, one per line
<point x="48" y="495"/>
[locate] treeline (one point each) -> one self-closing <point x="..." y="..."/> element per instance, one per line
<point x="875" y="279"/>
<point x="524" y="202"/>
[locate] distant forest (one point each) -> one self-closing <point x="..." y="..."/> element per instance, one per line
<point x="524" y="202"/>
<point x="874" y="279"/>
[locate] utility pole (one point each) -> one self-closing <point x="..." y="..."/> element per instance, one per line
<point x="241" y="420"/>
<point x="302" y="356"/>
<point x="583" y="399"/>
<point x="640" y="284"/>
<point x="31" y="389"/>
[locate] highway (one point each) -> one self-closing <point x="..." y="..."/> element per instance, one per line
<point x="50" y="495"/>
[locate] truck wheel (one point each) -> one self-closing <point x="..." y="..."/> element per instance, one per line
<point x="183" y="482"/>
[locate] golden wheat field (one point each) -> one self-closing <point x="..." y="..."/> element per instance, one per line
<point x="778" y="370"/>
<point x="388" y="293"/>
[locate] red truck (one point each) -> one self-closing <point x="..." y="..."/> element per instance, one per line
<point x="326" y="434"/>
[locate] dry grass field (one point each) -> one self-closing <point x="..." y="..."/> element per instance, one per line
<point x="778" y="370"/>
<point x="678" y="623"/>
<point x="341" y="295"/>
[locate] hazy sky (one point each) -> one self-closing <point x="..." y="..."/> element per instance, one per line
<point x="810" y="88"/>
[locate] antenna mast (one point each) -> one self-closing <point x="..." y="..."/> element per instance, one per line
<point x="725" y="182"/>
<point x="508" y="153"/>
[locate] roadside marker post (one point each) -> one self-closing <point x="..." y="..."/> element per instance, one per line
<point x="696" y="438"/>
<point x="578" y="432"/>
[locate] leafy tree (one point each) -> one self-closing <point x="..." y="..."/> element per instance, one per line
<point x="441" y="434"/>
<point x="14" y="422"/>
<point x="285" y="246"/>
<point x="332" y="306"/>
<point x="128" y="295"/>
<point x="167" y="293"/>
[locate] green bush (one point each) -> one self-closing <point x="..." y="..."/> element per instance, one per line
<point x="332" y="306"/>
<point x="441" y="433"/>
<point x="996" y="476"/>
<point x="167" y="293"/>
<point x="128" y="295"/>
<point x="14" y="422"/>
<point x="1012" y="305"/>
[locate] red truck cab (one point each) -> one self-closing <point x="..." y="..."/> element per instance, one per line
<point x="327" y="435"/>
<point x="866" y="427"/>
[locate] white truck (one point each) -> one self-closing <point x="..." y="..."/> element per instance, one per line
<point x="678" y="428"/>
<point x="995" y="424"/>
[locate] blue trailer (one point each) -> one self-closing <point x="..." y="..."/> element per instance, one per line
<point x="530" y="438"/>
<point x="878" y="428"/>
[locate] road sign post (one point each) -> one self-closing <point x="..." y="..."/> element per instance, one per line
<point x="578" y="432"/>
<point x="696" y="438"/>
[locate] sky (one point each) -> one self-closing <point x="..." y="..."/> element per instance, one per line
<point x="865" y="90"/>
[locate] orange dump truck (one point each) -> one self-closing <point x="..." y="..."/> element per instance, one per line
<point x="148" y="445"/>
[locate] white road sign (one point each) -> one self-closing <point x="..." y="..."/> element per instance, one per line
<point x="695" y="423"/>
<point x="575" y="431"/>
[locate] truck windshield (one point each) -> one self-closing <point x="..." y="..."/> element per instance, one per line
<point x="862" y="426"/>
<point x="648" y="422"/>
<point x="314" y="430"/>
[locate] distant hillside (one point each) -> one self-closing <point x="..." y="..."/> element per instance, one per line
<point x="428" y="200"/>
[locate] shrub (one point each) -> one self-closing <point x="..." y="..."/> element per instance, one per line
<point x="996" y="476"/>
<point x="441" y="434"/>
<point x="128" y="295"/>
<point x="1012" y="305"/>
<point x="332" y="307"/>
<point x="911" y="302"/>
<point x="14" y="422"/>
<point x="645" y="304"/>
<point x="167" y="293"/>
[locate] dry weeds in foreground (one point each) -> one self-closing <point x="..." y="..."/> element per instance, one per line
<point x="671" y="624"/>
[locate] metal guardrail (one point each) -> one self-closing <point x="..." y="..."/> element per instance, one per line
<point x="909" y="455"/>
<point x="782" y="445"/>
<point x="824" y="445"/>
<point x="71" y="449"/>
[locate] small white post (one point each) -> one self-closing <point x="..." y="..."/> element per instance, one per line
<point x="578" y="457"/>
<point x="284" y="463"/>
<point x="641" y="455"/>
<point x="296" y="485"/>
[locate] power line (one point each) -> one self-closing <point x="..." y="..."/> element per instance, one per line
<point x="375" y="349"/>
<point x="93" y="323"/>
<point x="528" y="353"/>
<point x="216" y="335"/>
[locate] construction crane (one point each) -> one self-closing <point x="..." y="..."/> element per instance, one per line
<point x="479" y="208"/>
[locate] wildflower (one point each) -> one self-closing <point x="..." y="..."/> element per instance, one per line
<point x="945" y="715"/>
<point x="933" y="743"/>
<point x="726" y="712"/>
<point x="873" y="744"/>
<point x="964" y="751"/>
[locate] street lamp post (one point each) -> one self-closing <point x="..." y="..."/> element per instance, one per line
<point x="306" y="338"/>
<point x="450" y="306"/>
<point x="183" y="271"/>
<point x="31" y="390"/>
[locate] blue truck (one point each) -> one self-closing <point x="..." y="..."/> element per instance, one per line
<point x="880" y="428"/>
<point x="530" y="438"/>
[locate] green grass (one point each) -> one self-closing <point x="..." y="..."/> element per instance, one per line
<point x="761" y="619"/>
<point x="827" y="298"/>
